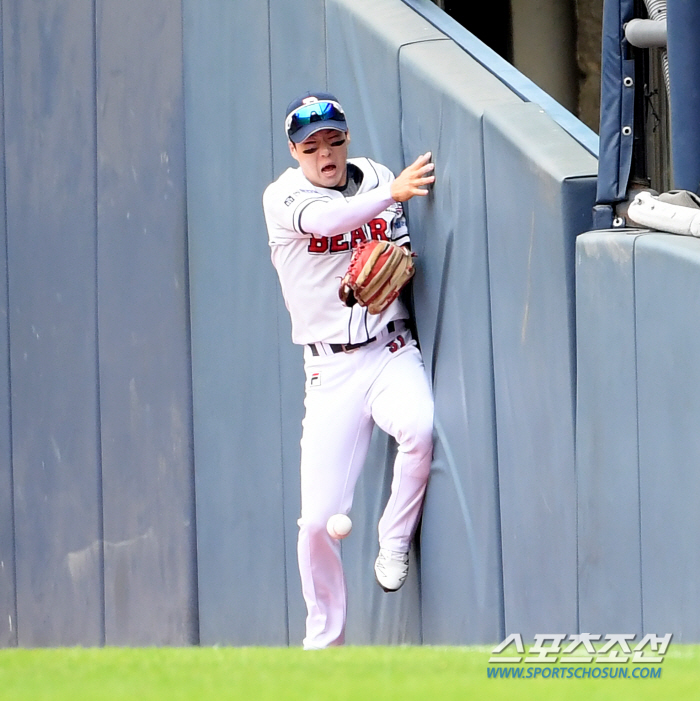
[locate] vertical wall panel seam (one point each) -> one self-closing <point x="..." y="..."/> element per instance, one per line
<point x="279" y="348"/>
<point x="284" y="501"/>
<point x="438" y="329"/>
<point x="497" y="475"/>
<point x="9" y="363"/>
<point x="398" y="73"/>
<point x="573" y="354"/>
<point x="636" y="404"/>
<point x="100" y="492"/>
<point x="403" y="161"/>
<point x="401" y="144"/>
<point x="325" y="37"/>
<point x="194" y="582"/>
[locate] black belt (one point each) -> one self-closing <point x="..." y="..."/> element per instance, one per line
<point x="346" y="347"/>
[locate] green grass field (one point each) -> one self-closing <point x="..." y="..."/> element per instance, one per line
<point x="362" y="673"/>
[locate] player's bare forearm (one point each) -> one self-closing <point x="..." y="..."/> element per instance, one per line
<point x="414" y="180"/>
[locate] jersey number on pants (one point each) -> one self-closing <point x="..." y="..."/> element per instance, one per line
<point x="397" y="343"/>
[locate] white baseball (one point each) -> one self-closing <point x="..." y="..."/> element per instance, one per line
<point x="339" y="526"/>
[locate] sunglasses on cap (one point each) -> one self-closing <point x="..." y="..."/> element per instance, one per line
<point x="322" y="111"/>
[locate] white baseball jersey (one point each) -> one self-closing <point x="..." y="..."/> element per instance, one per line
<point x="311" y="266"/>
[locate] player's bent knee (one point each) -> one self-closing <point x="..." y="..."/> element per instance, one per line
<point x="417" y="436"/>
<point x="418" y="452"/>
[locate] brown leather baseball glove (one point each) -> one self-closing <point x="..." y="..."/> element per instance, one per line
<point x="377" y="273"/>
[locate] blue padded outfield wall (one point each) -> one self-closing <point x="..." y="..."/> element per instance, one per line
<point x="638" y="449"/>
<point x="98" y="526"/>
<point x="497" y="234"/>
<point x="149" y="437"/>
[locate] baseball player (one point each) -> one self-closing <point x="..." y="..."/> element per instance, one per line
<point x="361" y="369"/>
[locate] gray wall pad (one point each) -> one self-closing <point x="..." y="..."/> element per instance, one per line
<point x="50" y="160"/>
<point x="234" y="306"/>
<point x="8" y="601"/>
<point x="444" y="93"/>
<point x="97" y="310"/>
<point x="516" y="82"/>
<point x="366" y="45"/>
<point x="145" y="391"/>
<point x="364" y="40"/>
<point x="540" y="190"/>
<point x="373" y="616"/>
<point x="296" y="66"/>
<point x="305" y="71"/>
<point x="667" y="287"/>
<point x="607" y="461"/>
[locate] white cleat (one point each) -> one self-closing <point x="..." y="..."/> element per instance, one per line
<point x="391" y="569"/>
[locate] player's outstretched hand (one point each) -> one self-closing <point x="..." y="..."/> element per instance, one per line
<point x="414" y="179"/>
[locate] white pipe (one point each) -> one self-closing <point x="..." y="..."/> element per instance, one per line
<point x="646" y="33"/>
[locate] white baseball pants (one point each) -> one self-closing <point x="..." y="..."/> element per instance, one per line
<point x="346" y="394"/>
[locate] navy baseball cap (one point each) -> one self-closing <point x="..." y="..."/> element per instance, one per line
<point x="312" y="112"/>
